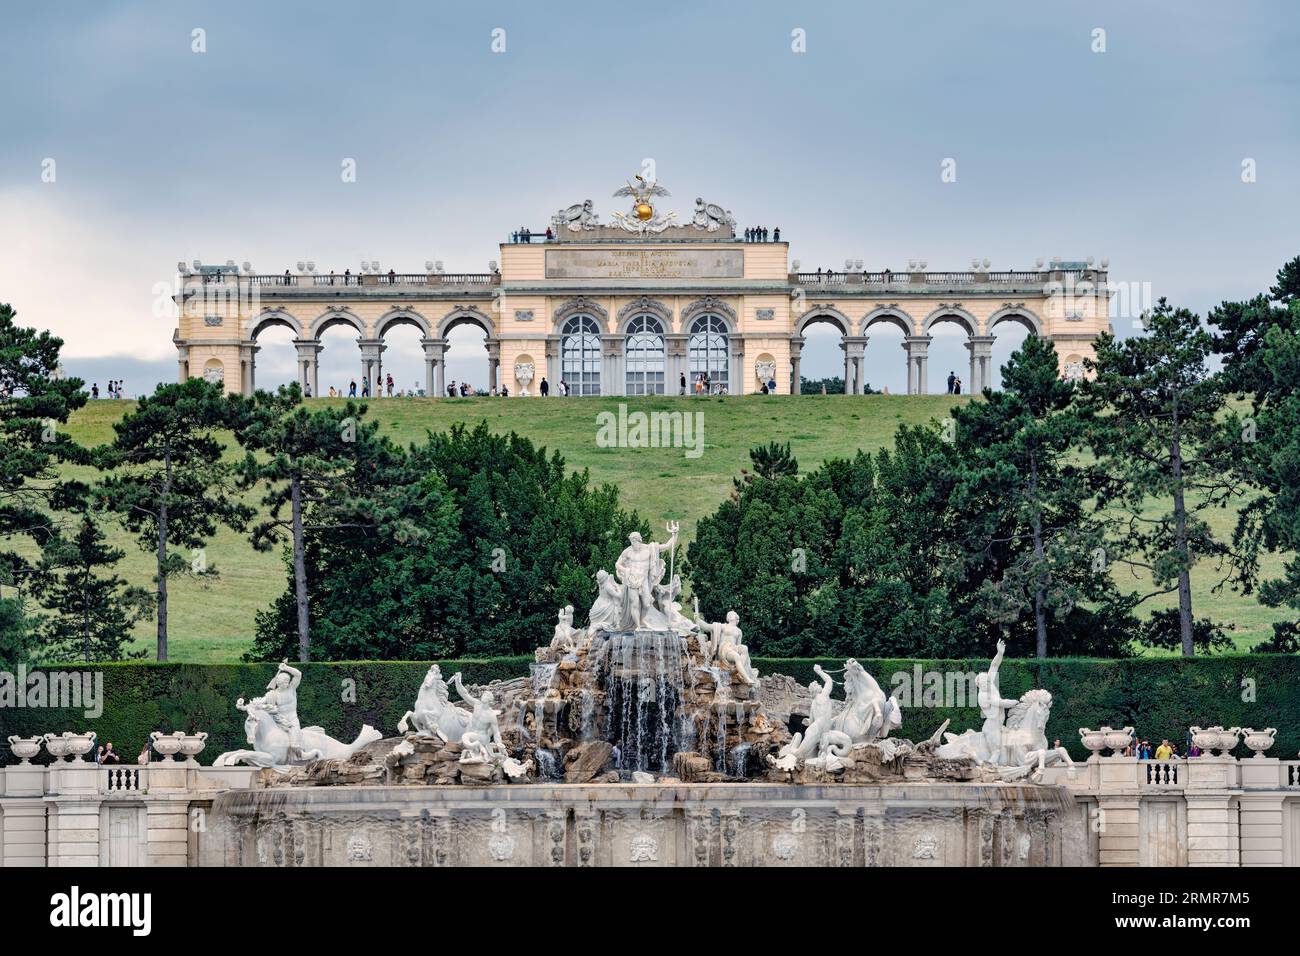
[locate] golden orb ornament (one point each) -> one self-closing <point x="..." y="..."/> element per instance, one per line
<point x="644" y="211"/>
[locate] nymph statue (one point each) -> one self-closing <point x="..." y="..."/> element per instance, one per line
<point x="607" y="612"/>
<point x="567" y="636"/>
<point x="727" y="647"/>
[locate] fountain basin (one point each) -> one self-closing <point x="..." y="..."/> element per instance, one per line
<point x="661" y="824"/>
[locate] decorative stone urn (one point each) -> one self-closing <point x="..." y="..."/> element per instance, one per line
<point x="1093" y="740"/>
<point x="25" y="748"/>
<point x="80" y="744"/>
<point x="1259" y="740"/>
<point x="1117" y="739"/>
<point x="1229" y="739"/>
<point x="192" y="745"/>
<point x="1207" y="739"/>
<point x="167" y="744"/>
<point x="57" y="746"/>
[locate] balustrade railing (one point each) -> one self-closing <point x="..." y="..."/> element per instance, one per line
<point x="890" y="279"/>
<point x="1164" y="773"/>
<point x="1291" y="773"/>
<point x="123" y="779"/>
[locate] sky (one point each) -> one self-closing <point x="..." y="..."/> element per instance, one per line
<point x="125" y="150"/>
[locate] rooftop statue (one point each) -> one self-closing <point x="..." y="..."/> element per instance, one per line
<point x="712" y="217"/>
<point x="576" y="218"/>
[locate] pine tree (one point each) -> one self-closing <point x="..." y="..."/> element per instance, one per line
<point x="1155" y="411"/>
<point x="34" y="400"/>
<point x="1022" y="494"/>
<point x="91" y="615"/>
<point x="169" y="483"/>
<point x="1260" y="342"/>
<point x="305" y="459"/>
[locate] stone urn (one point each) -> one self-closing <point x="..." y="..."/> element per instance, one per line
<point x="1229" y="739"/>
<point x="1117" y="739"/>
<point x="25" y="748"/>
<point x="168" y="745"/>
<point x="57" y="746"/>
<point x="80" y="744"/>
<point x="1093" y="740"/>
<point x="1259" y="740"/>
<point x="192" y="745"/>
<point x="1207" y="738"/>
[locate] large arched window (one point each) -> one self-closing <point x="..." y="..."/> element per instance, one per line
<point x="580" y="355"/>
<point x="645" y="356"/>
<point x="709" y="353"/>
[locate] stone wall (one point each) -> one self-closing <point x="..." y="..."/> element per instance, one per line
<point x="1115" y="811"/>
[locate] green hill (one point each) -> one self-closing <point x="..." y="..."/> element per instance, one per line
<point x="213" y="621"/>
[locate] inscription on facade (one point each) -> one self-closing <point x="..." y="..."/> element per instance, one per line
<point x="645" y="263"/>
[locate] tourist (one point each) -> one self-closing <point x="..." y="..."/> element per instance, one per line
<point x="99" y="756"/>
<point x="1194" y="751"/>
<point x="1164" y="751"/>
<point x="505" y="392"/>
<point x="365" y="387"/>
<point x="392" y="277"/>
<point x="352" y="389"/>
<point x="306" y="390"/>
<point x="514" y="236"/>
<point x="109" y="754"/>
<point x="683" y="384"/>
<point x="545" y="387"/>
<point x="763" y="389"/>
<point x="765" y="233"/>
<point x="288" y="279"/>
<point x="347" y="276"/>
<point x="331" y="277"/>
<point x="143" y="759"/>
<point x="771" y="385"/>
<point x="549" y="235"/>
<point x="333" y="392"/>
<point x="390" y="384"/>
<point x="956" y="386"/>
<point x="699" y="385"/>
<point x="776" y="234"/>
<point x="94" y="390"/>
<point x="952" y="381"/>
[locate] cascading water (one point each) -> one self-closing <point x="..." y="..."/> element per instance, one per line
<point x="642" y="676"/>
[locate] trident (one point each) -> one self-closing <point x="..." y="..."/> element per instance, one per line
<point x="672" y="527"/>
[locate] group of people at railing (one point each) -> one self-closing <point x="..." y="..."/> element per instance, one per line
<point x="1141" y="749"/>
<point x="106" y="756"/>
<point x="760" y="234"/>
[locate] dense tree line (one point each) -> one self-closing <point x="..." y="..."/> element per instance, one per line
<point x="1009" y="518"/>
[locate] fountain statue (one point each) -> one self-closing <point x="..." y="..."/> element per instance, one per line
<point x="273" y="732"/>
<point x="1012" y="741"/>
<point x="434" y="714"/>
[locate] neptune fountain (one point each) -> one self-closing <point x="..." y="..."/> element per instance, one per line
<point x="648" y="712"/>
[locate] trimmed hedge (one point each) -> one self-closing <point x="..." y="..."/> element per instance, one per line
<point x="1161" y="697"/>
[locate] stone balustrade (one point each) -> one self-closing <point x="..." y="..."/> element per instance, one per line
<point x="1204" y="811"/>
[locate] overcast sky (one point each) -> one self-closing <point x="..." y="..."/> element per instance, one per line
<point x="164" y="154"/>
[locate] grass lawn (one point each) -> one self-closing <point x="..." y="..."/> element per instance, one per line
<point x="213" y="621"/>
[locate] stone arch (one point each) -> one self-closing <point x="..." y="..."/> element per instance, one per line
<point x="582" y="305"/>
<point x="643" y="305"/>
<point x="1016" y="313"/>
<point x="951" y="313"/>
<point x="336" y="316"/>
<point x="891" y="315"/>
<point x="823" y="313"/>
<point x="466" y="315"/>
<point x="271" y="317"/>
<point x="709" y="305"/>
<point x="402" y="317"/>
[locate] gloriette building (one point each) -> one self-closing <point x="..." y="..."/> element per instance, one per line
<point x="626" y="307"/>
